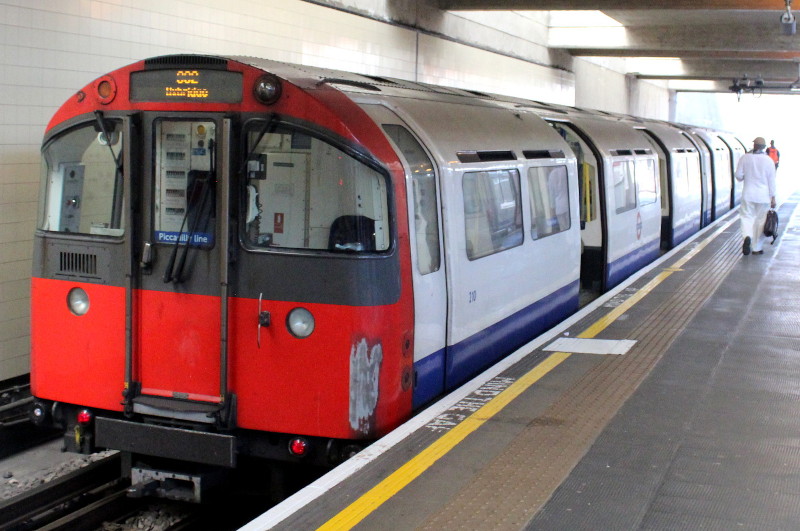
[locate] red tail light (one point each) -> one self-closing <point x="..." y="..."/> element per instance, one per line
<point x="298" y="446"/>
<point x="84" y="417"/>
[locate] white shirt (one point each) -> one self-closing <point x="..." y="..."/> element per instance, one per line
<point x="757" y="171"/>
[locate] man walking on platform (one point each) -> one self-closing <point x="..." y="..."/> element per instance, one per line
<point x="773" y="153"/>
<point x="758" y="195"/>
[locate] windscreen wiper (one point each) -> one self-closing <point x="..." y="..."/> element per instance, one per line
<point x="102" y="127"/>
<point x="206" y="179"/>
<point x="263" y="131"/>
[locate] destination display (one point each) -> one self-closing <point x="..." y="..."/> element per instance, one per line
<point x="184" y="85"/>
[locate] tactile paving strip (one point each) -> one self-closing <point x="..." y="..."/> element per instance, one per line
<point x="508" y="492"/>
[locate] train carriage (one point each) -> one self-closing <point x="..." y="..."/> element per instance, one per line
<point x="241" y="257"/>
<point x="236" y="257"/>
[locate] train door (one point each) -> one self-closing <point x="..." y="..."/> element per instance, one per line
<point x="706" y="177"/>
<point x="723" y="179"/>
<point x="428" y="270"/>
<point x="737" y="149"/>
<point x="593" y="231"/>
<point x="666" y="185"/>
<point x="182" y="264"/>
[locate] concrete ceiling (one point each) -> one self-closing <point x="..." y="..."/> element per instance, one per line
<point x="715" y="40"/>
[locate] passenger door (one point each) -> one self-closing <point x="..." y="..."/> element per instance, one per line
<point x="428" y="266"/>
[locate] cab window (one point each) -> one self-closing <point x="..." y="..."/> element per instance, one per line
<point x="304" y="193"/>
<point x="82" y="181"/>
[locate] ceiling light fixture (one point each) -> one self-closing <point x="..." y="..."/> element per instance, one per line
<point x="757" y="86"/>
<point x="788" y="22"/>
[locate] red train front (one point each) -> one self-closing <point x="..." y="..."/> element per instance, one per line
<point x="221" y="268"/>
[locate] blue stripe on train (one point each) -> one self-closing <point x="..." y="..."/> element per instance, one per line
<point x="623" y="267"/>
<point x="481" y="350"/>
<point x="684" y="231"/>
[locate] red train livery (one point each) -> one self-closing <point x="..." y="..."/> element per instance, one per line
<point x="171" y="305"/>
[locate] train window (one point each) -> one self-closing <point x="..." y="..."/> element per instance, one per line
<point x="549" y="195"/>
<point x="588" y="169"/>
<point x="185" y="182"/>
<point x="646" y="181"/>
<point x="304" y="193"/>
<point x="693" y="172"/>
<point x="426" y="221"/>
<point x="82" y="181"/>
<point x="624" y="185"/>
<point x="680" y="179"/>
<point x="492" y="212"/>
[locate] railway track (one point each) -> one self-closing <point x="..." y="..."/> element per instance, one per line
<point x="96" y="497"/>
<point x="15" y="400"/>
<point x="80" y="500"/>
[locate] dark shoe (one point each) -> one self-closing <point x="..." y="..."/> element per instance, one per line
<point x="758" y="252"/>
<point x="746" y="246"/>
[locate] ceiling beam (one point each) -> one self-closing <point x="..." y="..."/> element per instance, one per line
<point x="779" y="72"/>
<point x="603" y="5"/>
<point x="788" y="56"/>
<point x="755" y="38"/>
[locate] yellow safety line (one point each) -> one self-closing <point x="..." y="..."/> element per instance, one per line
<point x="404" y="475"/>
<point x="350" y="516"/>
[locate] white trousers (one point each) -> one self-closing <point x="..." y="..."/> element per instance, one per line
<point x="752" y="216"/>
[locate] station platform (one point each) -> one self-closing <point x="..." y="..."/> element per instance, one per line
<point x="672" y="402"/>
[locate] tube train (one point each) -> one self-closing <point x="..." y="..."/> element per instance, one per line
<point x="239" y="257"/>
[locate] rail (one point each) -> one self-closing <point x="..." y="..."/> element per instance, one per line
<point x="82" y="499"/>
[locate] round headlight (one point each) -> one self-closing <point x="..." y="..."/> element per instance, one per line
<point x="300" y="323"/>
<point x="267" y="89"/>
<point x="78" y="301"/>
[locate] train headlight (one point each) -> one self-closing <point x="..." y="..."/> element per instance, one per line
<point x="267" y="89"/>
<point x="78" y="301"/>
<point x="300" y="323"/>
<point x="38" y="414"/>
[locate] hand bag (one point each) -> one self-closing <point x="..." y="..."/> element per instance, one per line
<point x="771" y="225"/>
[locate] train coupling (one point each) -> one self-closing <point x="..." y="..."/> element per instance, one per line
<point x="172" y="485"/>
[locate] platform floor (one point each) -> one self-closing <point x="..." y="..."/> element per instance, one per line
<point x="671" y="403"/>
